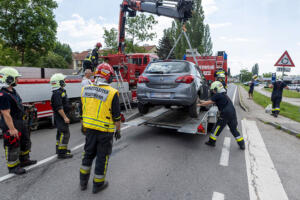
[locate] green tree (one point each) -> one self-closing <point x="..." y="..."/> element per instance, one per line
<point x="255" y="69"/>
<point x="63" y="50"/>
<point x="8" y="56"/>
<point x="28" y="26"/>
<point x="138" y="29"/>
<point x="207" y="42"/>
<point x="267" y="75"/>
<point x="245" y="75"/>
<point x="53" y="60"/>
<point x="165" y="45"/>
<point x="197" y="31"/>
<point x="111" y="39"/>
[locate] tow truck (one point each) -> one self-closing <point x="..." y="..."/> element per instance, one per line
<point x="132" y="65"/>
<point x="175" y="117"/>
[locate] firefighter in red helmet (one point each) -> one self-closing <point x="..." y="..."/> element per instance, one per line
<point x="91" y="60"/>
<point x="101" y="119"/>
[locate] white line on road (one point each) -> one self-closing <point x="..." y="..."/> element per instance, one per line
<point x="224" y="159"/>
<point x="218" y="196"/>
<point x="46" y="160"/>
<point x="263" y="179"/>
<point x="233" y="98"/>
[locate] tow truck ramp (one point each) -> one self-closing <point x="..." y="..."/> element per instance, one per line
<point x="178" y="119"/>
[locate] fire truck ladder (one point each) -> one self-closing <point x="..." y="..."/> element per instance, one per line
<point x="121" y="88"/>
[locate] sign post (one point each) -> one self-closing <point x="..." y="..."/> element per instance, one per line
<point x="284" y="63"/>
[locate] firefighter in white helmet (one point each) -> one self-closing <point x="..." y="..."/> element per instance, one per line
<point x="16" y="134"/>
<point x="101" y="118"/>
<point x="61" y="108"/>
<point x="221" y="77"/>
<point x="227" y="114"/>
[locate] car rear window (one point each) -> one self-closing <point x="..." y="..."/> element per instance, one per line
<point x="168" y="67"/>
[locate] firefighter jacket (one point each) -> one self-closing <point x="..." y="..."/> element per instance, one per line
<point x="97" y="107"/>
<point x="220" y="71"/>
<point x="93" y="57"/>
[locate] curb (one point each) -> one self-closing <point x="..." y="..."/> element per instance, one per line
<point x="243" y="106"/>
<point x="280" y="127"/>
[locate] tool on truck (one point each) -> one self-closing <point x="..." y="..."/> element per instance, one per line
<point x="132" y="65"/>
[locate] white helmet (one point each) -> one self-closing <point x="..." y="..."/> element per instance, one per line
<point x="57" y="81"/>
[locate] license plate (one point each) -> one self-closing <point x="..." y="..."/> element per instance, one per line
<point x="160" y="95"/>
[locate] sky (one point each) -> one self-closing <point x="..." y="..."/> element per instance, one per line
<point x="256" y="31"/>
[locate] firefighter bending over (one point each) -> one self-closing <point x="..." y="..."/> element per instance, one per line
<point x="91" y="60"/>
<point x="101" y="119"/>
<point x="227" y="115"/>
<point x="16" y="134"/>
<point x="61" y="108"/>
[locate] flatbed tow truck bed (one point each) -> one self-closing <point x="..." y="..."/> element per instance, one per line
<point x="178" y="119"/>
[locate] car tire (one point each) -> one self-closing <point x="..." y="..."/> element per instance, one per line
<point x="143" y="108"/>
<point x="194" y="110"/>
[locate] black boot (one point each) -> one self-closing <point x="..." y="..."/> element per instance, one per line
<point x="98" y="187"/>
<point x="242" y="144"/>
<point x="211" y="142"/>
<point x="17" y="170"/>
<point x="28" y="162"/>
<point x="65" y="156"/>
<point x="84" y="179"/>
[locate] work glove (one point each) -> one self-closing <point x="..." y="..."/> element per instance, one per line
<point x="118" y="134"/>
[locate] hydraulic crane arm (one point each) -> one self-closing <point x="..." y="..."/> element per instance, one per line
<point x="180" y="9"/>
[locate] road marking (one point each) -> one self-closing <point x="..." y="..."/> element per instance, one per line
<point x="263" y="179"/>
<point x="233" y="98"/>
<point x="46" y="160"/>
<point x="224" y="159"/>
<point x="218" y="196"/>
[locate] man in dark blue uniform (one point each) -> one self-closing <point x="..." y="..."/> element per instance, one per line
<point x="227" y="115"/>
<point x="16" y="134"/>
<point x="276" y="97"/>
<point x="61" y="107"/>
<point x="91" y="60"/>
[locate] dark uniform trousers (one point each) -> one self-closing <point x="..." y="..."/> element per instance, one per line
<point x="98" y="144"/>
<point x="62" y="135"/>
<point x="20" y="151"/>
<point x="227" y="118"/>
<point x="276" y="105"/>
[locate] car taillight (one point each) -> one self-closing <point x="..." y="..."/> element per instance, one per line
<point x="185" y="79"/>
<point x="143" y="79"/>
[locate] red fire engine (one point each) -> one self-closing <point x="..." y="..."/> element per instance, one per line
<point x="209" y="64"/>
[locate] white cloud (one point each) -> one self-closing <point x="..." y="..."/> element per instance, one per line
<point x="58" y="1"/>
<point x="220" y="25"/>
<point x="209" y="7"/>
<point x="80" y="33"/>
<point x="298" y="43"/>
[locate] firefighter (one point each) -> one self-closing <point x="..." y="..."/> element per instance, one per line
<point x="276" y="96"/>
<point x="227" y="115"/>
<point x="101" y="118"/>
<point x="61" y="108"/>
<point x="221" y="78"/>
<point x="251" y="86"/>
<point x="91" y="60"/>
<point x="16" y="134"/>
<point x="219" y="71"/>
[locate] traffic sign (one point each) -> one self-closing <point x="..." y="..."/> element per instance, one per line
<point x="285" y="61"/>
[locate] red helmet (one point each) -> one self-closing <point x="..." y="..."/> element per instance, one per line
<point x="98" y="45"/>
<point x="105" y="71"/>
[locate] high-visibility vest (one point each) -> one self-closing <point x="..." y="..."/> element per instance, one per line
<point x="96" y="107"/>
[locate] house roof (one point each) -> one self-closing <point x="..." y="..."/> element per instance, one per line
<point x="80" y="56"/>
<point x="149" y="48"/>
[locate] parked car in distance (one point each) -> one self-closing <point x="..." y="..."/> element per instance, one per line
<point x="175" y="82"/>
<point x="294" y="87"/>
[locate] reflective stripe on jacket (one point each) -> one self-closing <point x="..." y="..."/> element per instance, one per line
<point x="96" y="107"/>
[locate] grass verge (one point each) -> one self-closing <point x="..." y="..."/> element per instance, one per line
<point x="287" y="93"/>
<point x="286" y="109"/>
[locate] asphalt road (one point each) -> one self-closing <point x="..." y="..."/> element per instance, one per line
<point x="152" y="163"/>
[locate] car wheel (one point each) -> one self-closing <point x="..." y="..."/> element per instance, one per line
<point x="194" y="110"/>
<point x="143" y="108"/>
